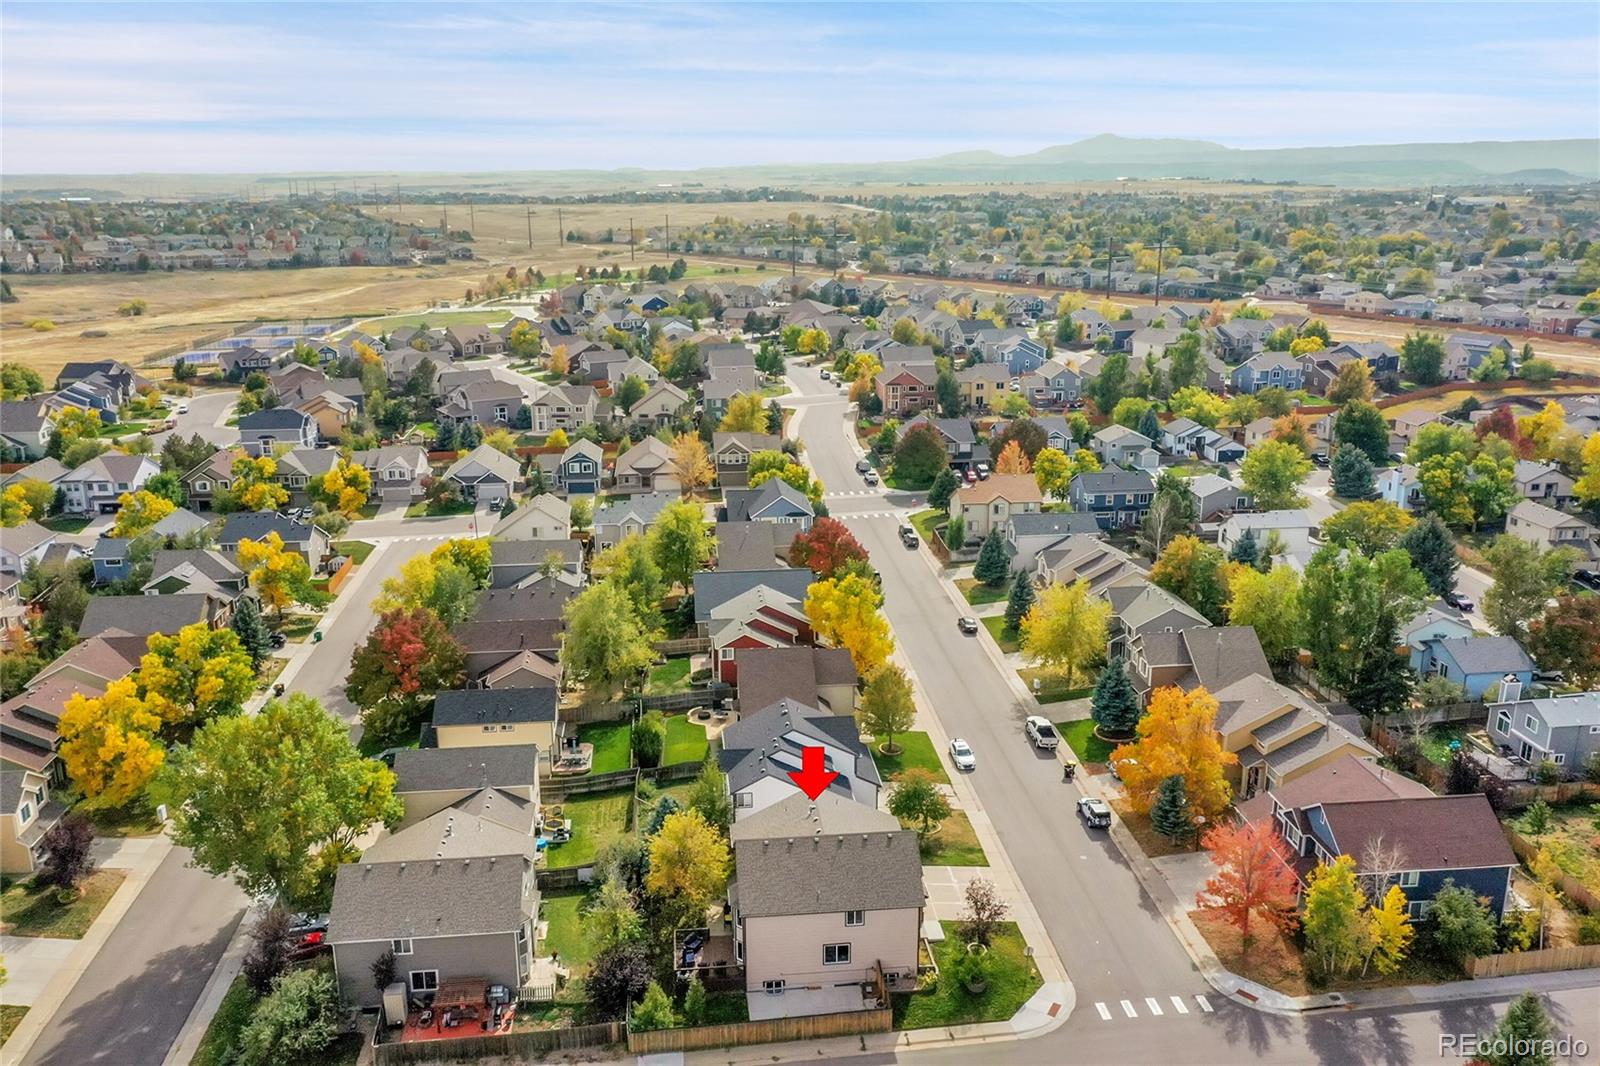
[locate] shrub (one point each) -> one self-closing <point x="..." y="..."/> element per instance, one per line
<point x="694" y="1003"/>
<point x="985" y="911"/>
<point x="1548" y="772"/>
<point x="653" y="1012"/>
<point x="649" y="739"/>
<point x="970" y="968"/>
<point x="299" y="1019"/>
<point x="269" y="950"/>
<point x="1589" y="929"/>
<point x="1591" y="768"/>
<point x="66" y="853"/>
<point x="41" y="325"/>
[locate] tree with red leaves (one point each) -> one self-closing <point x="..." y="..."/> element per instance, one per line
<point x="1567" y="638"/>
<point x="1503" y="423"/>
<point x="827" y="548"/>
<point x="408" y="657"/>
<point x="1253" y="878"/>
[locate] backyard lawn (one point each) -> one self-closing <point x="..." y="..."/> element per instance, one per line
<point x="1052" y="686"/>
<point x="978" y="594"/>
<point x="1085" y="745"/>
<point x="30" y="907"/>
<point x="955" y="844"/>
<point x="355" y="549"/>
<point x="562" y="908"/>
<point x="65" y="523"/>
<point x="996" y="625"/>
<point x="1436" y="746"/>
<point x="916" y="750"/>
<point x="670" y="676"/>
<point x="1571" y="840"/>
<point x="686" y="741"/>
<point x="1013" y="978"/>
<point x="611" y="745"/>
<point x="598" y="818"/>
<point x="422" y="509"/>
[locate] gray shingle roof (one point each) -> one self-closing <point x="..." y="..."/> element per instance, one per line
<point x="1484" y="655"/>
<point x="460" y="831"/>
<point x="433" y="769"/>
<point x="1042" y="524"/>
<point x="825" y="875"/>
<point x="456" y="897"/>
<point x="545" y="599"/>
<point x="482" y="706"/>
<point x="712" y="588"/>
<point x="769" y="743"/>
<point x="143" y="615"/>
<point x="255" y="525"/>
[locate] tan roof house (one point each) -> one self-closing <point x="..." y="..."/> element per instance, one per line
<point x="990" y="504"/>
<point x="1546" y="527"/>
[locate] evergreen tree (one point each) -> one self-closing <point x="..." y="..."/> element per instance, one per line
<point x="1523" y="1036"/>
<point x="1246" y="550"/>
<point x="1115" y="707"/>
<point x="1352" y="474"/>
<point x="992" y="568"/>
<point x="1382" y="683"/>
<point x="444" y="439"/>
<point x="1433" y="553"/>
<point x="1149" y="424"/>
<point x="944" y="487"/>
<point x="1170" y="815"/>
<point x="251" y="630"/>
<point x="1021" y="601"/>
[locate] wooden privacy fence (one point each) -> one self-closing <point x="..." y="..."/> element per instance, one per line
<point x="682" y="646"/>
<point x="1509" y="965"/>
<point x="1521" y="794"/>
<point x="812" y="1027"/>
<point x="337" y="579"/>
<point x="522" y="1046"/>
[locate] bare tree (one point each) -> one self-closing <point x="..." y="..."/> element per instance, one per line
<point x="985" y="910"/>
<point x="1167" y="518"/>
<point x="1382" y="864"/>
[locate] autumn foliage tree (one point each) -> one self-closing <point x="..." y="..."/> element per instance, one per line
<point x="844" y="611"/>
<point x="408" y="656"/>
<point x="109" y="744"/>
<point x="279" y="574"/>
<point x="345" y="488"/>
<point x="920" y="454"/>
<point x="196" y="674"/>
<point x="691" y="463"/>
<point x="138" y="511"/>
<point x="1567" y="638"/>
<point x="1177" y="735"/>
<point x="1065" y="631"/>
<point x="826" y="547"/>
<point x="1253" y="880"/>
<point x="1013" y="460"/>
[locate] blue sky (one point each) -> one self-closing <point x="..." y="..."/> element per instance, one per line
<point x="297" y="86"/>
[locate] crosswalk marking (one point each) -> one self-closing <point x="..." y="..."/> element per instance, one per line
<point x="1177" y="1004"/>
<point x="1127" y="1008"/>
<point x="1155" y="1008"/>
<point x="1105" y="1015"/>
<point x="1204" y="1004"/>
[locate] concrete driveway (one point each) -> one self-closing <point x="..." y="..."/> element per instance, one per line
<point x="947" y="889"/>
<point x="31" y="961"/>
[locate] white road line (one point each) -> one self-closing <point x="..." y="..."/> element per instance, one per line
<point x="1105" y="1015"/>
<point x="1204" y="1004"/>
<point x="1155" y="1007"/>
<point x="1127" y="1008"/>
<point x="1177" y="1004"/>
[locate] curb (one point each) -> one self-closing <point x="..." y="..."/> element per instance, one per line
<point x="217" y="986"/>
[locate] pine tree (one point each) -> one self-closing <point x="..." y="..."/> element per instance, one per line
<point x="1149" y="424"/>
<point x="444" y="439"/>
<point x="992" y="568"/>
<point x="1352" y="474"/>
<point x="1522" y="1036"/>
<point x="1022" y="599"/>
<point x="251" y="630"/>
<point x="1115" y="707"/>
<point x="1245" y="549"/>
<point x="1170" y="815"/>
<point x="1433" y="553"/>
<point x="944" y="487"/>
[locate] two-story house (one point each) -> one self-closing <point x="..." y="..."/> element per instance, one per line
<point x="545" y="517"/>
<point x="564" y="407"/>
<point x="1138" y="608"/>
<point x="1267" y="370"/>
<point x="482" y="717"/>
<point x="1277" y="734"/>
<point x="261" y="432"/>
<point x="485" y="475"/>
<point x="761" y="749"/>
<point x="1119" y="446"/>
<point x="1562" y="729"/>
<point x="1545" y="527"/>
<point x="96" y="486"/>
<point x="1117" y="498"/>
<point x="775" y="500"/>
<point x="1477" y="663"/>
<point x="731" y="452"/>
<point x="983" y="385"/>
<point x="906" y="388"/>
<point x="1544" y="483"/>
<point x="955" y="433"/>
<point x="302" y="537"/>
<point x="397" y="470"/>
<point x="622" y="518"/>
<point x="992" y="504"/>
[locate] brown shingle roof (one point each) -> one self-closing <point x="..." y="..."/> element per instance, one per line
<point x="1436" y="833"/>
<point x="1013" y="488"/>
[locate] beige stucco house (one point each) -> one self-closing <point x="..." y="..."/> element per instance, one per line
<point x="991" y="504"/>
<point x="479" y="717"/>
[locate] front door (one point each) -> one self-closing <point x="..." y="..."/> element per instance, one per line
<point x="1252" y="779"/>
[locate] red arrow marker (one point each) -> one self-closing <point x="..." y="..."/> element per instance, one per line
<point x="812" y="777"/>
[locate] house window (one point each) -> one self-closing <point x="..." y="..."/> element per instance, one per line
<point x="855" y="917"/>
<point x="1419" y="908"/>
<point x="773" y="988"/>
<point x="1502" y="722"/>
<point x="836" y="954"/>
<point x="25" y="814"/>
<point x="424" y="980"/>
<point x="1408" y="878"/>
<point x="1559" y="758"/>
<point x="1531" y="723"/>
<point x="1594" y="729"/>
<point x="726" y="654"/>
<point x="400" y="947"/>
<point x="742" y="799"/>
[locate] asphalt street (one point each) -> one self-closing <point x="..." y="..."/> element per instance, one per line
<point x="207" y="415"/>
<point x="1118" y="951"/>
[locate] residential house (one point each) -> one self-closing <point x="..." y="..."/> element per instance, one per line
<point x="1544" y="483"/>
<point x="1545" y="527"/>
<point x="397" y="470"/>
<point x="581" y="469"/>
<point x="302" y="537"/>
<point x="1371" y="303"/>
<point x="492" y="404"/>
<point x="261" y="432"/>
<point x="646" y="467"/>
<point x="564" y="407"/>
<point x="748" y="545"/>
<point x="758" y="618"/>
<point x="1029" y="533"/>
<point x="28" y="810"/>
<point x="813" y="951"/>
<point x="142" y="616"/>
<point x="1119" y="446"/>
<point x="955" y="433"/>
<point x="661" y="406"/>
<point x="1504" y="316"/>
<point x="48" y="470"/>
<point x="1564" y="730"/>
<point x="1052" y="384"/>
<point x="1088" y="558"/>
<point x="1117" y="498"/>
<point x="332" y="413"/>
<point x="1294" y="528"/>
<point x="1278" y="734"/>
<point x="215" y="475"/>
<point x="1465" y="352"/>
<point x="619" y="519"/>
<point x="732" y="453"/>
<point x="481" y="717"/>
<point x="761" y="749"/>
<point x="1240" y="339"/>
<point x="26" y="427"/>
<point x="239" y="363"/>
<point x="1152" y="343"/>
<point x="430" y="780"/>
<point x="179" y="570"/>
<point x="717" y="394"/>
<point x="1267" y="370"/>
<point x="1179" y="436"/>
<point x="469" y="341"/>
<point x="983" y="385"/>
<point x="824" y="678"/>
<point x="1400" y="485"/>
<point x="1057" y="433"/>
<point x="774" y="501"/>
<point x="1019" y="354"/>
<point x="530" y="601"/>
<point x="22" y="544"/>
<point x="1209" y="657"/>
<point x="546" y="517"/>
<point x="1477" y="663"/>
<point x="521" y="563"/>
<point x="1216" y="497"/>
<point x="712" y="588"/>
<point x="485" y="475"/>
<point x="96" y="486"/>
<point x="1141" y="608"/>
<point x="296" y="469"/>
<point x="991" y="504"/>
<point x="906" y="388"/>
<point x="109" y="558"/>
<point x="494" y="648"/>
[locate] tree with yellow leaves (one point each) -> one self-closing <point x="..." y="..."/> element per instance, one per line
<point x="445" y="581"/>
<point x="345" y="488"/>
<point x="844" y="612"/>
<point x="502" y="440"/>
<point x="14" y="507"/>
<point x="1054" y="471"/>
<point x="280" y="575"/>
<point x="1543" y="428"/>
<point x="1065" y="630"/>
<point x="1013" y="460"/>
<point x="691" y="463"/>
<point x="747" y="413"/>
<point x="689" y="860"/>
<point x="138" y="511"/>
<point x="366" y="353"/>
<point x="1587" y="487"/>
<point x="109" y="744"/>
<point x="195" y="675"/>
<point x="1177" y="735"/>
<point x="1391" y="932"/>
<point x="558" y="360"/>
<point x="253" y="486"/>
<point x="558" y="438"/>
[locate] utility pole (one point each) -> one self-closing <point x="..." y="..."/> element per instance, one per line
<point x="793" y="256"/>
<point x="530" y="229"/>
<point x="1161" y="247"/>
<point x="1108" y="264"/>
<point x="631" y="245"/>
<point x="669" y="233"/>
<point x="561" y="230"/>
<point x="472" y="216"/>
<point x="446" y="219"/>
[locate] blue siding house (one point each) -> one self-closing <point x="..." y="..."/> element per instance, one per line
<point x="1476" y="663"/>
<point x="110" y="560"/>
<point x="1116" y="498"/>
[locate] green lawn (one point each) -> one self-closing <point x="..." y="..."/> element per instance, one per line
<point x="670" y="676"/>
<point x="978" y="594"/>
<point x="686" y="741"/>
<point x="955" y="844"/>
<point x="122" y="429"/>
<point x="916" y="750"/>
<point x="137" y="819"/>
<point x="906" y="484"/>
<point x="11" y="1016"/>
<point x="1085" y="745"/>
<point x="30" y="908"/>
<point x="369" y="511"/>
<point x="232" y="1016"/>
<point x="996" y="625"/>
<point x="562" y="908"/>
<point x="355" y="549"/>
<point x="611" y="745"/>
<point x="1052" y="686"/>
<point x="1436" y="746"/>
<point x="65" y="523"/>
<point x="421" y="509"/>
<point x="925" y="521"/>
<point x="1012" y="979"/>
<point x="597" y="819"/>
<point x="439" y="318"/>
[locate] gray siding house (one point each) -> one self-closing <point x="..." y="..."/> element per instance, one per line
<point x="1562" y="729"/>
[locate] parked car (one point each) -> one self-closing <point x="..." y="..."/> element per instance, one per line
<point x="1587" y="578"/>
<point x="1461" y="603"/>
<point x="863" y="465"/>
<point x="962" y="755"/>
<point x="1116" y="773"/>
<point x="906" y="527"/>
<point x="967" y="624"/>
<point x="1320" y="458"/>
<point x="1041" y="733"/>
<point x="909" y="539"/>
<point x="827" y="375"/>
<point x="870" y="477"/>
<point x="972" y="477"/>
<point x="182" y="409"/>
<point x="983" y="471"/>
<point x="276" y="639"/>
<point x="1094" y="812"/>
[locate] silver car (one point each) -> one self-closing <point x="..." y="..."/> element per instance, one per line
<point x="962" y="755"/>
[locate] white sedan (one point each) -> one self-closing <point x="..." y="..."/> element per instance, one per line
<point x="962" y="755"/>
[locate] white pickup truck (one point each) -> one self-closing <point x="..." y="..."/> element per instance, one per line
<point x="1041" y="733"/>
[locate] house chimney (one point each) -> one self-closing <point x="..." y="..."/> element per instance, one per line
<point x="1510" y="689"/>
